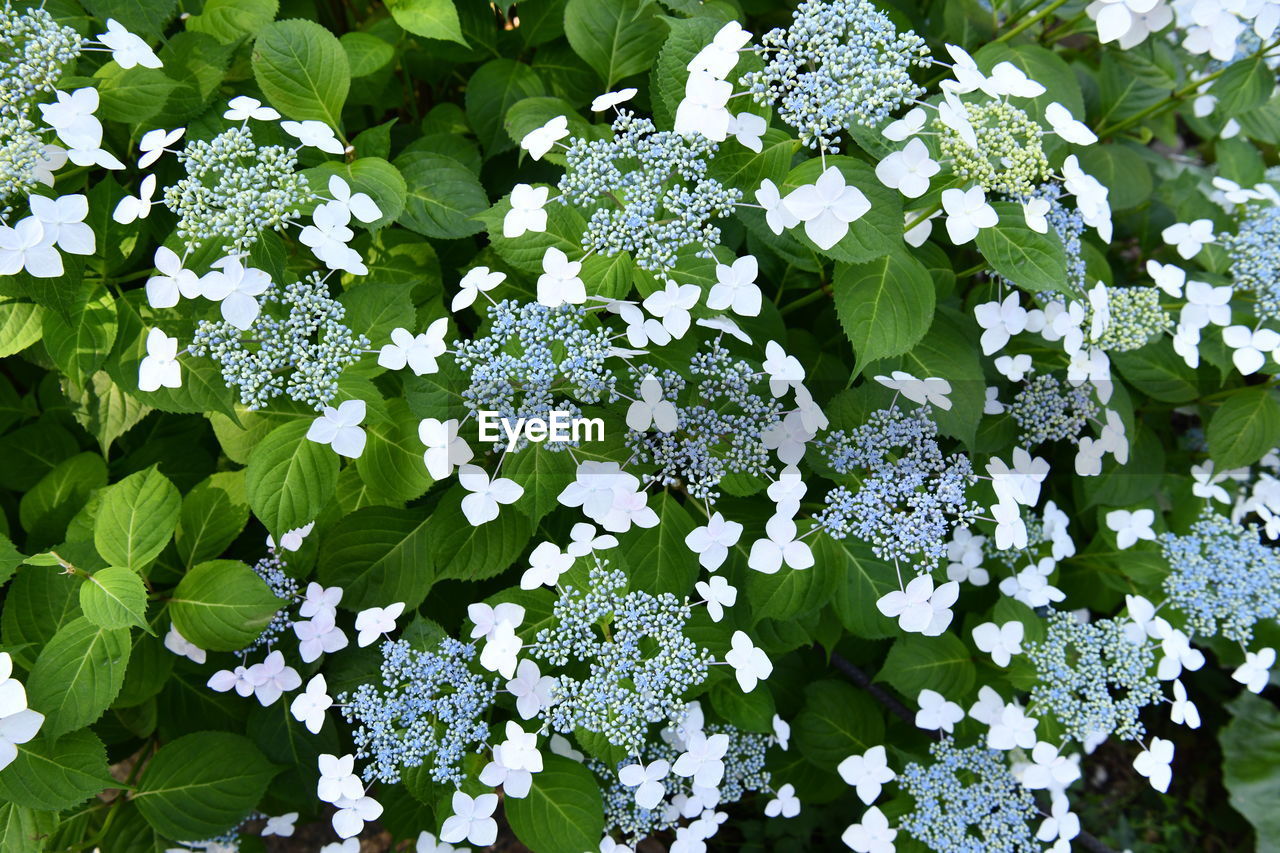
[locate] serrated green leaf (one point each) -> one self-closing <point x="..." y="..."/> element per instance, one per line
<point x="392" y="463"/>
<point x="885" y="306"/>
<point x="212" y="516"/>
<point x="52" y="775"/>
<point x="442" y="196"/>
<point x="1244" y="428"/>
<point x="231" y="20"/>
<point x="659" y="560"/>
<point x="838" y="720"/>
<point x="1034" y="262"/>
<point x="136" y="519"/>
<point x="943" y="663"/>
<point x="1251" y="765"/>
<point x="203" y="784"/>
<point x="436" y="19"/>
<point x="563" y="812"/>
<point x="115" y="597"/>
<point x="371" y="175"/>
<point x="290" y="478"/>
<point x="302" y="70"/>
<point x="20" y="325"/>
<point x="493" y="89"/>
<point x="222" y="605"/>
<point x="465" y="552"/>
<point x="77" y="675"/>
<point x="379" y="555"/>
<point x="618" y="38"/>
<point x="24" y="830"/>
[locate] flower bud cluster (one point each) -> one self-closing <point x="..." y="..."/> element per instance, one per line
<point x="840" y="62"/>
<point x="235" y="189"/>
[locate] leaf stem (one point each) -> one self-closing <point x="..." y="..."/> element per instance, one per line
<point x="1177" y="95"/>
<point x="1030" y="22"/>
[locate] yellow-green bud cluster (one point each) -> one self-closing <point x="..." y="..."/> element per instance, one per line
<point x="1009" y="158"/>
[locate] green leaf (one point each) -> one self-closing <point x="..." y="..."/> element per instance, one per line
<point x="493" y="89"/>
<point x="617" y="38"/>
<point x="752" y="712"/>
<point x="51" y="775"/>
<point x="838" y="720"/>
<point x="24" y="830"/>
<point x="115" y="597"/>
<point x="63" y="293"/>
<point x="564" y="231"/>
<point x="861" y="580"/>
<point x="1121" y="170"/>
<point x="303" y="71"/>
<point x="1244" y="428"/>
<point x="212" y="516"/>
<point x="885" y="306"/>
<point x="433" y="19"/>
<point x="80" y="347"/>
<point x="231" y="20"/>
<point x="442" y="196"/>
<point x="659" y="560"/>
<point x="1251" y="766"/>
<point x="77" y="675"/>
<point x="132" y="95"/>
<point x="1244" y="86"/>
<point x="1159" y="372"/>
<point x="1034" y="262"/>
<point x="378" y="555"/>
<point x="366" y="53"/>
<point x="136" y="518"/>
<point x="876" y="233"/>
<point x="789" y="593"/>
<point x="37" y="605"/>
<point x="464" y="552"/>
<point x="290" y="478"/>
<point x="941" y="663"/>
<point x="392" y="463"/>
<point x="222" y="605"/>
<point x="543" y="474"/>
<point x="146" y="18"/>
<point x="371" y="175"/>
<point x="563" y="813"/>
<point x="949" y="350"/>
<point x="51" y="504"/>
<point x="103" y="408"/>
<point x="743" y="168"/>
<point x="10" y="559"/>
<point x="203" y="784"/>
<point x="20" y="325"/>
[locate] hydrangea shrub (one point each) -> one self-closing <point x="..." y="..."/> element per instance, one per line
<point x="600" y="424"/>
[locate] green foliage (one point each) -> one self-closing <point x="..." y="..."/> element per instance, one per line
<point x="1245" y="427"/>
<point x="136" y="518"/>
<point x="288" y="479"/>
<point x="302" y="70"/>
<point x="884" y="305"/>
<point x="563" y="811"/>
<point x="78" y="674"/>
<point x="222" y="605"/>
<point x="202" y="784"/>
<point x="1251" y="764"/>
<point x="114" y="597"/>
<point x="1035" y="262"/>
